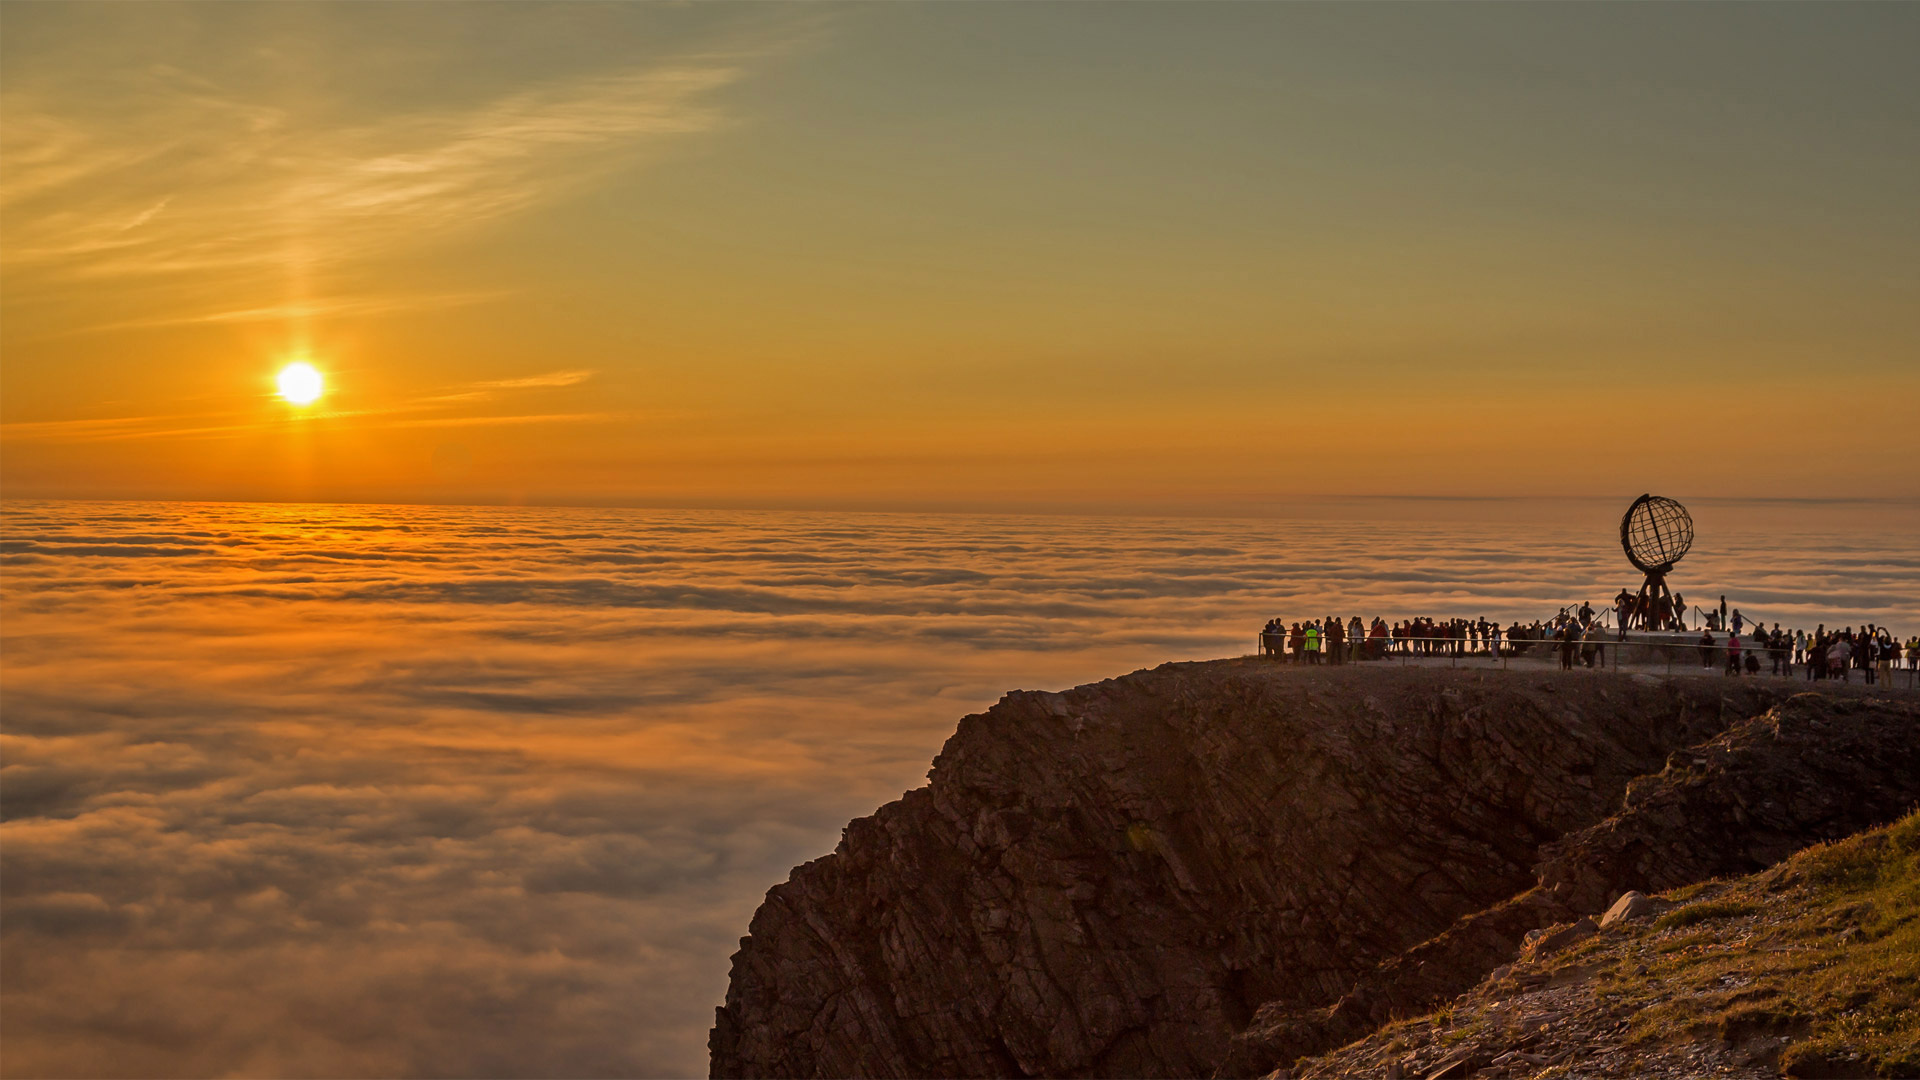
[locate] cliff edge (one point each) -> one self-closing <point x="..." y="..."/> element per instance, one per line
<point x="1219" y="867"/>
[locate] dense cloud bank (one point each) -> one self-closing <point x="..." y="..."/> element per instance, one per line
<point x="301" y="790"/>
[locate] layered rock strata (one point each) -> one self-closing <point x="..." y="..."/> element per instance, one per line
<point x="1816" y="767"/>
<point x="1118" y="879"/>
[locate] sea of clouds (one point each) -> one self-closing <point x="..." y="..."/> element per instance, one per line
<point x="332" y="791"/>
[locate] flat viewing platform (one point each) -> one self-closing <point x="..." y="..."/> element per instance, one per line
<point x="1662" y="654"/>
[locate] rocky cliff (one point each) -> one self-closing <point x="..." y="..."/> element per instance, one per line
<point x="1219" y="867"/>
<point x="1809" y="968"/>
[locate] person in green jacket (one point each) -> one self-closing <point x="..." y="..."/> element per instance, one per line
<point x="1313" y="643"/>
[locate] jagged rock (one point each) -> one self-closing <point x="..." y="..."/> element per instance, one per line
<point x="1218" y="866"/>
<point x="1559" y="937"/>
<point x="1681" y="825"/>
<point x="1457" y="1065"/>
<point x="1603" y="1012"/>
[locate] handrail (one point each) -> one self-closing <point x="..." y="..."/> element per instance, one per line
<point x="1505" y="647"/>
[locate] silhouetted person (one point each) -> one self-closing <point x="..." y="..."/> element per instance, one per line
<point x="1838" y="654"/>
<point x="1706" y="648"/>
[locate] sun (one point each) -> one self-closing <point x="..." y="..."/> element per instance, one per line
<point x="301" y="383"/>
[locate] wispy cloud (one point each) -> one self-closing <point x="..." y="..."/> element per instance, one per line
<point x="238" y="422"/>
<point x="496" y="421"/>
<point x="483" y="391"/>
<point x="194" y="181"/>
<point x="309" y="309"/>
<point x="551" y="378"/>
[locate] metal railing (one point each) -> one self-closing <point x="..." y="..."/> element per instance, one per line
<point x="1600" y="651"/>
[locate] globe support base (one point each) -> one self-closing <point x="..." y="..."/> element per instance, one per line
<point x="1652" y="609"/>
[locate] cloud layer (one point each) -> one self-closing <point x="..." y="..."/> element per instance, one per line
<point x="301" y="790"/>
<point x="201" y="180"/>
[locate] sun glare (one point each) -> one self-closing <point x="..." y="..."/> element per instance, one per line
<point x="301" y="383"/>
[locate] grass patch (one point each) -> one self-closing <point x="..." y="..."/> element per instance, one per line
<point x="1687" y="892"/>
<point x="1832" y="961"/>
<point x="1701" y="912"/>
<point x="1698" y="940"/>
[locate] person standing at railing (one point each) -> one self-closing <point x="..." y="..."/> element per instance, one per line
<point x="1679" y="612"/>
<point x="1296" y="643"/>
<point x="1733" y="654"/>
<point x="1799" y="647"/>
<point x="1313" y="643"/>
<point x="1706" y="648"/>
<point x="1356" y="639"/>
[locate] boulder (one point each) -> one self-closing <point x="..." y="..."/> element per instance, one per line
<point x="1632" y="904"/>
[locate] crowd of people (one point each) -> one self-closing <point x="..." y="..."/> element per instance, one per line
<point x="1579" y="639"/>
<point x="1871" y="650"/>
<point x="1331" y="640"/>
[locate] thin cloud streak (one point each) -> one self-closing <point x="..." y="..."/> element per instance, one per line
<point x="126" y="428"/>
<point x="496" y="421"/>
<point x="552" y="378"/>
<point x="194" y="181"/>
<point x="308" y="310"/>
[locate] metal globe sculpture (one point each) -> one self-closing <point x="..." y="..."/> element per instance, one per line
<point x="1654" y="532"/>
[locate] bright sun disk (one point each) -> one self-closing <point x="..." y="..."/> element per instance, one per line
<point x="300" y="383"/>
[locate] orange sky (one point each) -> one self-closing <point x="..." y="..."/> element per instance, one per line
<point x="1062" y="255"/>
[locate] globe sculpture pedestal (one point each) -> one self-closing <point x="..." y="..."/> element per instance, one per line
<point x="1655" y="532"/>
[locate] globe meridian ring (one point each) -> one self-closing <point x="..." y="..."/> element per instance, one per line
<point x="1655" y="532"/>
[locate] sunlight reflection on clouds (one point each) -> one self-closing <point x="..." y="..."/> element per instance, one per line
<point x="304" y="790"/>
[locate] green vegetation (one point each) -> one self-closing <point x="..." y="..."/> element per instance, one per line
<point x="1687" y="892"/>
<point x="1823" y="950"/>
<point x="1701" y="912"/>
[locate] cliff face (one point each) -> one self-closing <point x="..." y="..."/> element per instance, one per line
<point x="1816" y="767"/>
<point x="1809" y="968"/>
<point x="1114" y="880"/>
